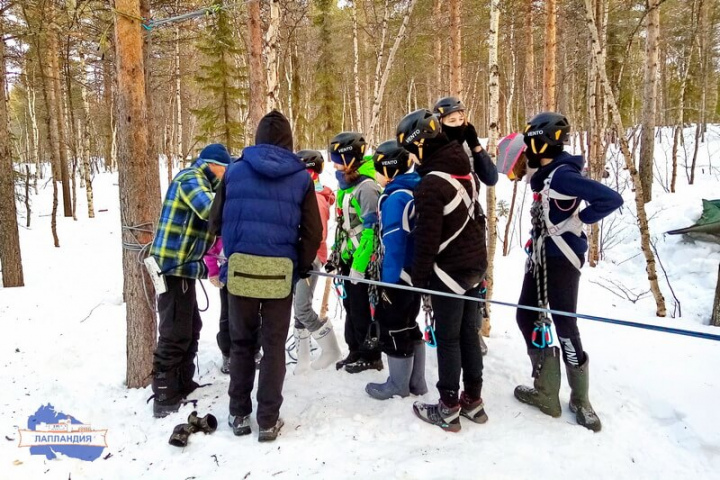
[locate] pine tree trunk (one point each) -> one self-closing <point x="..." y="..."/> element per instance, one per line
<point x="58" y="115"/>
<point x="73" y="143"/>
<point x="138" y="182"/>
<point x="549" y="78"/>
<point x="380" y="90"/>
<point x="456" y="80"/>
<point x="256" y="102"/>
<point x="639" y="197"/>
<point x="493" y="114"/>
<point x="647" y="142"/>
<point x="10" y="256"/>
<point x="437" y="49"/>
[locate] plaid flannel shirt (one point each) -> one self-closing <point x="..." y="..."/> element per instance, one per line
<point x="182" y="236"/>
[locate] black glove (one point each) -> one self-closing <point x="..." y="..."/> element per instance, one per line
<point x="471" y="136"/>
<point x="330" y="267"/>
<point x="304" y="272"/>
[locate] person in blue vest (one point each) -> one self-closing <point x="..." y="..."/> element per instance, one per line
<point x="265" y="207"/>
<point x="397" y="310"/>
<point x="557" y="252"/>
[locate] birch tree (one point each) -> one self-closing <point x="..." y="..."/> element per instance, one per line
<point x="549" y="67"/>
<point x="493" y="131"/>
<point x="647" y="139"/>
<point x="597" y="52"/>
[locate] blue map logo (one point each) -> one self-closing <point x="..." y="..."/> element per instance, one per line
<point x="51" y="432"/>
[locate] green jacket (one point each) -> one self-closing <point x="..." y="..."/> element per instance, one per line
<point x="357" y="216"/>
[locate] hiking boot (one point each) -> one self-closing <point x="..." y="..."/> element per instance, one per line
<point x="579" y="380"/>
<point x="166" y="393"/>
<point x="361" y="365"/>
<point x="544" y="393"/>
<point x="398" y="383"/>
<point x="225" y="368"/>
<point x="447" y="418"/>
<point x="240" y="424"/>
<point x="270" y="434"/>
<point x="352" y="357"/>
<point x="473" y="410"/>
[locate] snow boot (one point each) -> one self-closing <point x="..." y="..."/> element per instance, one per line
<point x="167" y="395"/>
<point x="270" y="434"/>
<point x="398" y="383"/>
<point x="440" y="414"/>
<point x="240" y="424"/>
<point x="579" y="380"/>
<point x="352" y="357"/>
<point x="187" y="371"/>
<point x="362" y="364"/>
<point x="330" y="350"/>
<point x="418" y="386"/>
<point x="225" y="368"/>
<point x="302" y="346"/>
<point x="473" y="410"/>
<point x="544" y="394"/>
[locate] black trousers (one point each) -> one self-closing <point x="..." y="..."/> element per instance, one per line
<point x="251" y="319"/>
<point x="458" y="344"/>
<point x="179" y="328"/>
<point x="562" y="291"/>
<point x="397" y="317"/>
<point x="357" y="317"/>
<point x="223" y="336"/>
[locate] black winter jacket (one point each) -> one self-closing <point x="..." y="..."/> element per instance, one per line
<point x="465" y="258"/>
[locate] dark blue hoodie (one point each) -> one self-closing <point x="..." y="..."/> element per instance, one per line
<point x="398" y="244"/>
<point x="600" y="200"/>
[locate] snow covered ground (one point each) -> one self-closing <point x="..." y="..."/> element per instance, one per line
<point x="63" y="344"/>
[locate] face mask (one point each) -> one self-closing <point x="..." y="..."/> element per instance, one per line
<point x="455" y="133"/>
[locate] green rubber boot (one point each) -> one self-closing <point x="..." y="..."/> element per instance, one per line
<point x="544" y="393"/>
<point x="579" y="380"/>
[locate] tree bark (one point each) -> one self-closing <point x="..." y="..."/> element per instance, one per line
<point x="639" y="196"/>
<point x="139" y="192"/>
<point x="178" y="104"/>
<point x="647" y="141"/>
<point x="356" y="61"/>
<point x="58" y="116"/>
<point x="437" y="48"/>
<point x="85" y="133"/>
<point x="506" y="238"/>
<point x="256" y="103"/>
<point x="493" y="118"/>
<point x="549" y="78"/>
<point x="456" y="80"/>
<point x="271" y="56"/>
<point x="10" y="256"/>
<point x="109" y="101"/>
<point x="530" y="96"/>
<point x="681" y="114"/>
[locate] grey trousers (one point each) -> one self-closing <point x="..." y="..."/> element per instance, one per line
<point x="305" y="316"/>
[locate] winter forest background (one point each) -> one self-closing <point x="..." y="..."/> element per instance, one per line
<point x="106" y="97"/>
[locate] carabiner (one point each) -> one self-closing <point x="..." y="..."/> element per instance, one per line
<point x="546" y="336"/>
<point x="429" y="337"/>
<point x="340" y="289"/>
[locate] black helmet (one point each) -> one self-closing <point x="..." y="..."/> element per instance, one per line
<point x="546" y="133"/>
<point x="313" y="160"/>
<point x="417" y="126"/>
<point x="391" y="159"/>
<point x="447" y="105"/>
<point x="347" y="147"/>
